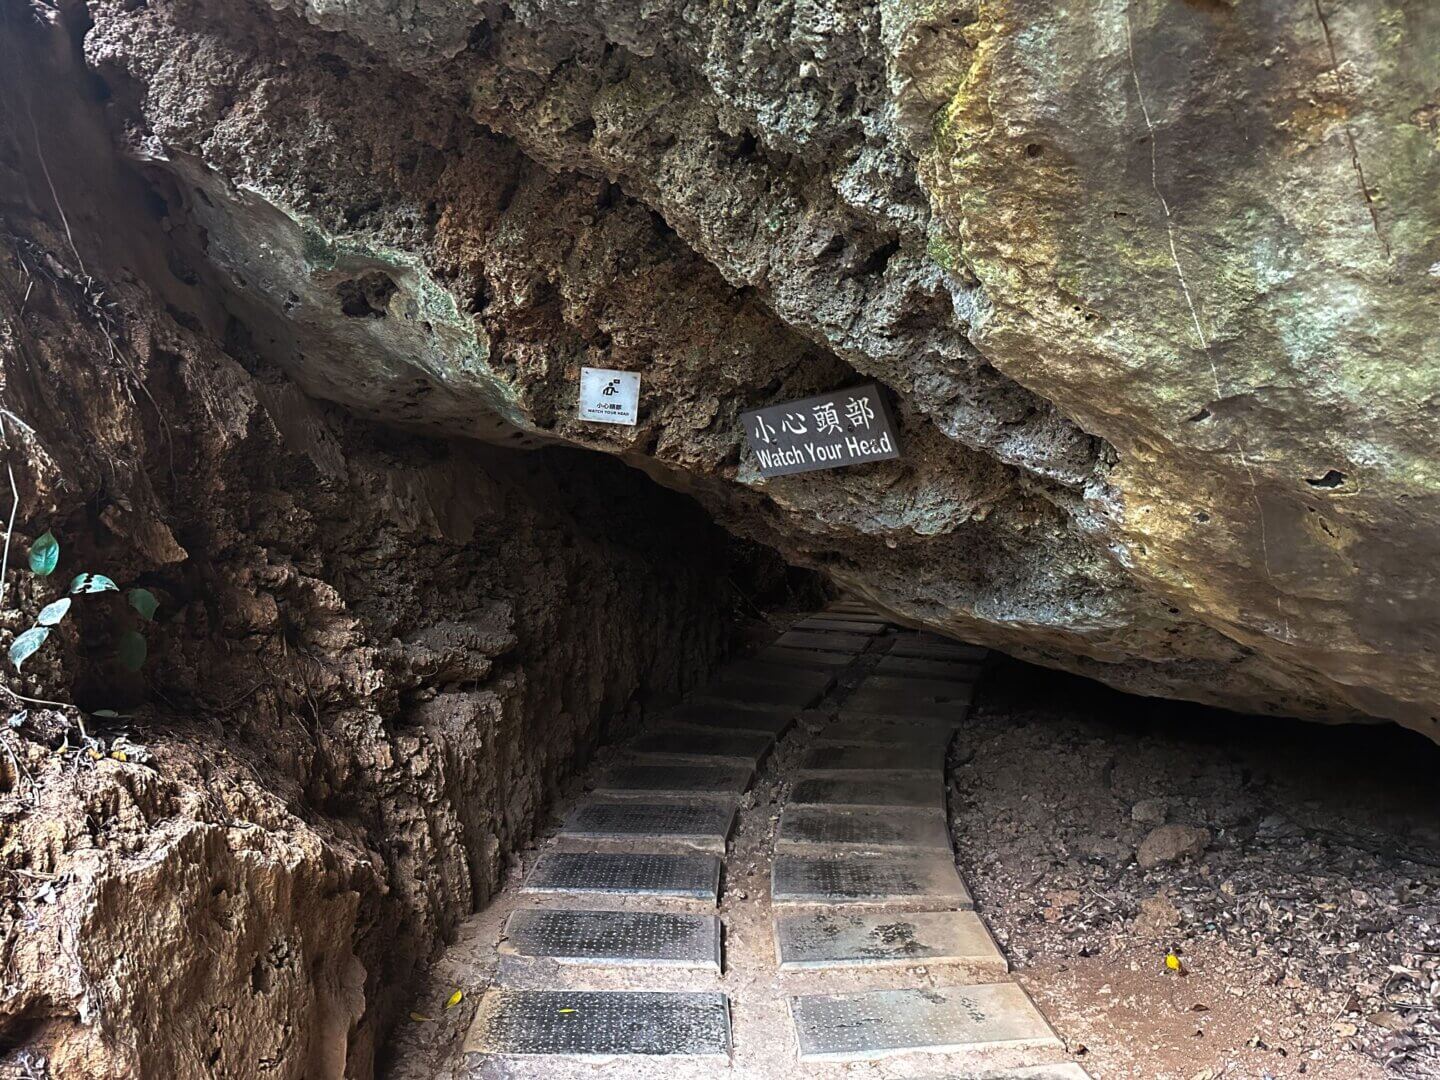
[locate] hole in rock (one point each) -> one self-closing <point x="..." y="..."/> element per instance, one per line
<point x="1333" y="478"/>
<point x="367" y="296"/>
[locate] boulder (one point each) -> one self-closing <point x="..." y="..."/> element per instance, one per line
<point x="1171" y="844"/>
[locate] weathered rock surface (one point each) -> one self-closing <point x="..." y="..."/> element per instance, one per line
<point x="1153" y="286"/>
<point x="377" y="656"/>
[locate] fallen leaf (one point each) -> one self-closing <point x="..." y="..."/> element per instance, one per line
<point x="421" y="1018"/>
<point x="454" y="999"/>
<point x="1172" y="962"/>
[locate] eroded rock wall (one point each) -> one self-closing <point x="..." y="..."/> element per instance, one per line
<point x="1151" y="285"/>
<point x="377" y="657"/>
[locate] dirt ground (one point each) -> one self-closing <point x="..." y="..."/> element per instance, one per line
<point x="1308" y="929"/>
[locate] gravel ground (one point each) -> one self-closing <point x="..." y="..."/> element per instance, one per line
<point x="1294" y="879"/>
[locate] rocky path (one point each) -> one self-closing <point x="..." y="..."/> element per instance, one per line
<point x="763" y="884"/>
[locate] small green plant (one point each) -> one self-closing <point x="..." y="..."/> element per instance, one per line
<point x="131" y="648"/>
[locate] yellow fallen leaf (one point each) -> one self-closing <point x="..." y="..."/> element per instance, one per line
<point x="454" y="999"/>
<point x="94" y="754"/>
<point x="420" y="1018"/>
<point x="1174" y="964"/>
<point x="119" y="755"/>
<point x="565" y="1010"/>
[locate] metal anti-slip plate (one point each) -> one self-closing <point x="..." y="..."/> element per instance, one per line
<point x="938" y="650"/>
<point x="893" y="706"/>
<point x="823" y="639"/>
<point x="684" y="877"/>
<point x="914" y="667"/>
<point x="841" y="625"/>
<point x="806" y="658"/>
<point x="867" y="758"/>
<point x="701" y="824"/>
<point x="777" y="672"/>
<point x="728" y="717"/>
<point x="648" y="938"/>
<point x="760" y="692"/>
<point x="721" y="778"/>
<point x="828" y="939"/>
<point x="598" y="1023"/>
<point x="867" y="879"/>
<point x="873" y="830"/>
<point x="908" y="791"/>
<point x="878" y="1023"/>
<point x="941" y="690"/>
<point x="697" y="745"/>
<point x="875" y="731"/>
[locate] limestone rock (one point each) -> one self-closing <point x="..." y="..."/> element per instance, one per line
<point x="1171" y="844"/>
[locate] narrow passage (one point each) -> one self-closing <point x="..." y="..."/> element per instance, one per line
<point x="762" y="885"/>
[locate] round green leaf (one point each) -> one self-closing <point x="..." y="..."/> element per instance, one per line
<point x="24" y="646"/>
<point x="51" y="614"/>
<point x="132" y="650"/>
<point x="93" y="583"/>
<point x="45" y="554"/>
<point x="143" y="601"/>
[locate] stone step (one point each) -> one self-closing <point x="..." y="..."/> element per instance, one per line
<point x="601" y="1023"/>
<point x="911" y="791"/>
<point x="721" y="779"/>
<point x="924" y="649"/>
<point x="693" y="744"/>
<point x="879" y="732"/>
<point x="890" y="706"/>
<point x="703" y="824"/>
<point x="902" y="688"/>
<point x="728" y="716"/>
<point x="840" y="625"/>
<point x="811" y="658"/>
<point x="621" y="938"/>
<point x="759" y="692"/>
<point x="867" y="830"/>
<point x="680" y="876"/>
<point x="865" y="616"/>
<point x="829" y="939"/>
<point x="823" y="640"/>
<point x="880" y="1023"/>
<point x="867" y="878"/>
<point x="858" y="758"/>
<point x="776" y="672"/>
<point x="913" y="667"/>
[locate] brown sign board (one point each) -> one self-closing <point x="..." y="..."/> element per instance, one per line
<point x="830" y="431"/>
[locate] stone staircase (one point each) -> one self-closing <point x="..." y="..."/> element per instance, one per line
<point x="615" y="962"/>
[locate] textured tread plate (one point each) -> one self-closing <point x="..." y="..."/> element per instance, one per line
<point x="823" y="639"/>
<point x="839" y="624"/>
<point x="868" y="879"/>
<point x="626" y="938"/>
<point x="600" y="1023"/>
<point x="879" y="1023"/>
<point x="772" y="671"/>
<point x="727" y="716"/>
<point x="869" y="830"/>
<point x="716" y="779"/>
<point x="891" y="706"/>
<point x="852" y="758"/>
<point x="680" y="876"/>
<point x="938" y="650"/>
<point x="829" y="939"/>
<point x="807" y="658"/>
<point x="695" y="745"/>
<point x="874" y="731"/>
<point x="896" y="791"/>
<point x="914" y="667"/>
<point x="703" y="824"/>
<point x="900" y="686"/>
<point x="760" y="692"/>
